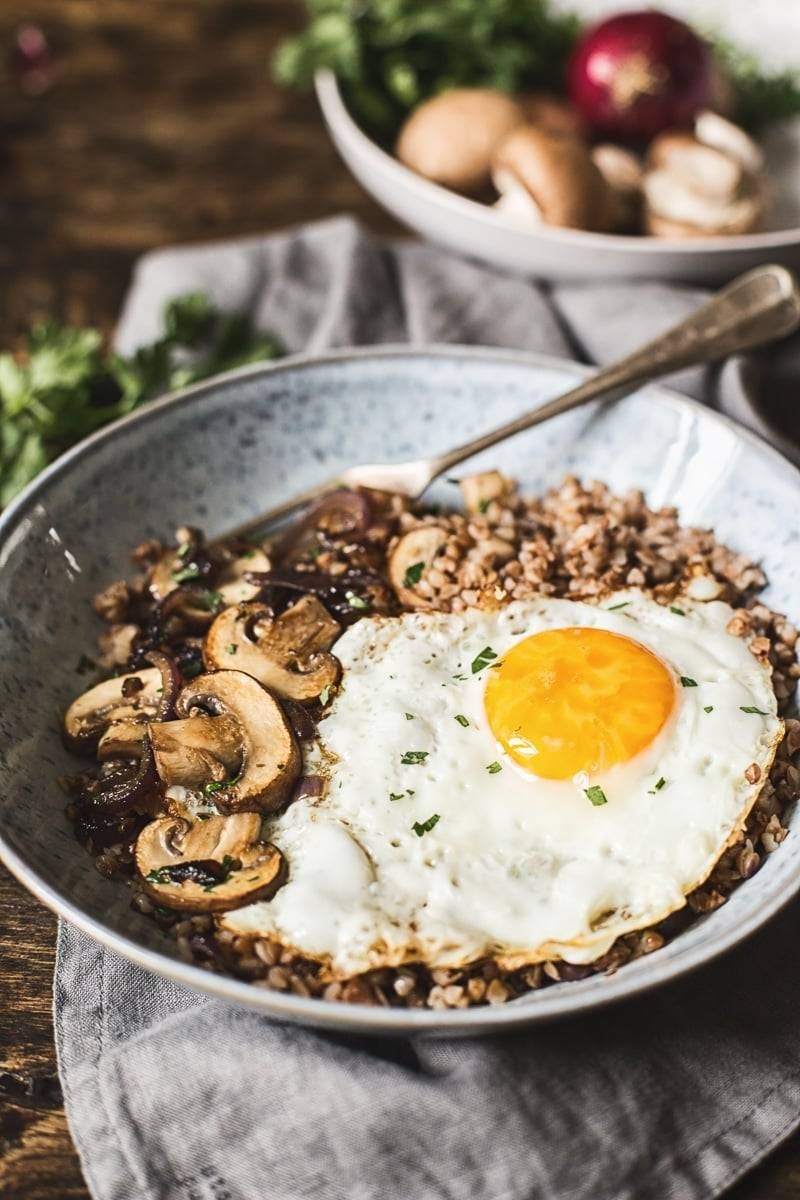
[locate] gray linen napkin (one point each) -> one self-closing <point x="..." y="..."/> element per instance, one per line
<point x="171" y="1096"/>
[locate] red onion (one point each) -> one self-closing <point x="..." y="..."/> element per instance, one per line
<point x="309" y="787"/>
<point x="639" y="73"/>
<point x="171" y="683"/>
<point x="346" y="596"/>
<point x="302" y="724"/>
<point x="119" y="793"/>
<point x="343" y="513"/>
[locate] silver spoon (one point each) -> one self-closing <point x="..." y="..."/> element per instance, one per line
<point x="757" y="308"/>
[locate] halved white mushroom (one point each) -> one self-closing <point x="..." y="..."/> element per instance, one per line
<point x="703" y="184"/>
<point x="409" y="560"/>
<point x="255" y="734"/>
<point x="208" y="866"/>
<point x="288" y="654"/>
<point x="451" y="138"/>
<point x="558" y="173"/>
<point x="134" y="697"/>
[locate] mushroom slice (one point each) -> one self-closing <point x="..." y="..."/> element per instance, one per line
<point x="269" y="757"/>
<point x="559" y="174"/>
<point x="623" y="173"/>
<point x="451" y="138"/>
<point x="197" y="750"/>
<point x="208" y="866"/>
<point x="715" y="130"/>
<point x="287" y="654"/>
<point x="122" y="739"/>
<point x="231" y="584"/>
<point x="480" y="489"/>
<point x="676" y="210"/>
<point x="410" y="559"/>
<point x="132" y="697"/>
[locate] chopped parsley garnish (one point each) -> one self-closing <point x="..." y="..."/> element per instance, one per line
<point x="185" y="574"/>
<point x="325" y="694"/>
<point x="460" y="678"/>
<point x="355" y="601"/>
<point x="413" y="574"/>
<point x="596" y="795"/>
<point x="482" y="660"/>
<point x="213" y="601"/>
<point x="751" y="708"/>
<point x="231" y="647"/>
<point x="483" y="505"/>
<point x="658" y="786"/>
<point x="315" y="552"/>
<point x="493" y="768"/>
<point x="709" y="708"/>
<point x="396" y="795"/>
<point x="414" y="758"/>
<point x="249" y="553"/>
<point x="622" y="604"/>
<point x="217" y="786"/>
<point x="462" y="720"/>
<point x="687" y="682"/>
<point x="678" y="611"/>
<point x="422" y="827"/>
<point x="190" y="669"/>
<point x="161" y="875"/>
<point x="409" y="716"/>
<point x="184" y="549"/>
<point x="228" y="865"/>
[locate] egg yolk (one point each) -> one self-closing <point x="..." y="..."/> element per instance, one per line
<point x="577" y="700"/>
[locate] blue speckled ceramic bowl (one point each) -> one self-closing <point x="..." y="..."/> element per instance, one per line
<point x="217" y="453"/>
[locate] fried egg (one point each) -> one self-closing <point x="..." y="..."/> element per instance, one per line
<point x="527" y="783"/>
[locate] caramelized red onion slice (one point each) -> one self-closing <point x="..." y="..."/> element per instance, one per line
<point x="336" y="592"/>
<point x="302" y="724"/>
<point x="118" y="794"/>
<point x="309" y="787"/>
<point x="343" y="513"/>
<point x="171" y="683"/>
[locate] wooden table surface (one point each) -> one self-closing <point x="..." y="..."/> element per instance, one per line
<point x="164" y="126"/>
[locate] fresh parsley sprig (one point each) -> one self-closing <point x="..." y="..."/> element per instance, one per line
<point x="64" y="386"/>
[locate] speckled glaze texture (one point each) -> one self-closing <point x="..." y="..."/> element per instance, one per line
<point x="216" y="454"/>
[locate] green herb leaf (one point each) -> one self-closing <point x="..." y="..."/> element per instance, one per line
<point x="186" y="574"/>
<point x="483" y="505"/>
<point x="325" y="694"/>
<point x="708" y="708"/>
<point x="413" y="574"/>
<point x="462" y="720"/>
<point x="231" y="648"/>
<point x="409" y="716"/>
<point x="422" y="827"/>
<point x="678" y="611"/>
<point x="414" y="758"/>
<point x="183" y="549"/>
<point x="355" y="601"/>
<point x="750" y="708"/>
<point x="596" y="795"/>
<point x="493" y="768"/>
<point x="687" y="682"/>
<point x="217" y="786"/>
<point x="482" y="660"/>
<point x="213" y="601"/>
<point x="396" y="795"/>
<point x="658" y="786"/>
<point x="614" y="607"/>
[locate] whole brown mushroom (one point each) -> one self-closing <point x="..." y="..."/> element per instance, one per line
<point x="451" y="138"/>
<point x="558" y="175"/>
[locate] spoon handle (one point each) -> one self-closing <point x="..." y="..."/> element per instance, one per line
<point x="755" y="309"/>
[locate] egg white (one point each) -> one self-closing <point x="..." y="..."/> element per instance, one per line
<point x="517" y="867"/>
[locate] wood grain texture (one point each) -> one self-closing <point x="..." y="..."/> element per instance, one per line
<point x="164" y="127"/>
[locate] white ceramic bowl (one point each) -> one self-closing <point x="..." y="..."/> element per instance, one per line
<point x="477" y="231"/>
<point x="219" y="452"/>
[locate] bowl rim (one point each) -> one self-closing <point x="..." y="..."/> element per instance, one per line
<point x="553" y="1003"/>
<point x="338" y="117"/>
